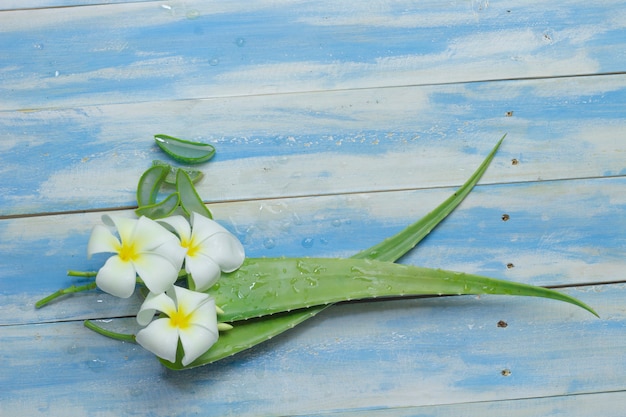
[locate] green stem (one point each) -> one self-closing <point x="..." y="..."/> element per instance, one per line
<point x="84" y="274"/>
<point x="64" y="291"/>
<point x="108" y="333"/>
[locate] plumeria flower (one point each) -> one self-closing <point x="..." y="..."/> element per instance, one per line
<point x="144" y="248"/>
<point x="191" y="318"/>
<point x="210" y="249"/>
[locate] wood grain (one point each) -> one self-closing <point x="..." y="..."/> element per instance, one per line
<point x="336" y="124"/>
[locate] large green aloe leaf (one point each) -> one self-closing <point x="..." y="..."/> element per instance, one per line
<point x="250" y="333"/>
<point x="267" y="286"/>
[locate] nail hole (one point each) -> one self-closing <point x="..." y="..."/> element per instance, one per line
<point x="502" y="324"/>
<point x="509" y="113"/>
<point x="506" y="372"/>
<point x="514" y="161"/>
<point x="510" y="265"/>
<point x="505" y="217"/>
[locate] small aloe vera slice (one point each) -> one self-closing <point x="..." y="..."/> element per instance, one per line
<point x="160" y="210"/>
<point x="183" y="150"/>
<point x="266" y="286"/>
<point x="238" y="340"/>
<point x="149" y="184"/>
<point x="170" y="179"/>
<point x="189" y="198"/>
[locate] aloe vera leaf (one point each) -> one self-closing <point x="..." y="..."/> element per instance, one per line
<point x="408" y="238"/>
<point x="149" y="184"/>
<point x="170" y="179"/>
<point x="393" y="248"/>
<point x="245" y="335"/>
<point x="183" y="150"/>
<point x="161" y="209"/>
<point x="189" y="198"/>
<point x="266" y="286"/>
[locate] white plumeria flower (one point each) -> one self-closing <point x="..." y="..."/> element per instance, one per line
<point x="210" y="249"/>
<point x="145" y="248"/>
<point x="191" y="317"/>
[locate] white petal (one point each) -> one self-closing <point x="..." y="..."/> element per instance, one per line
<point x="202" y="333"/>
<point x="150" y="234"/>
<point x="203" y="270"/>
<point x="226" y="250"/>
<point x="196" y="340"/>
<point x="159" y="338"/>
<point x="153" y="303"/>
<point x="125" y="227"/>
<point x="102" y="240"/>
<point x="191" y="300"/>
<point x="179" y="224"/>
<point x="203" y="227"/>
<point x="156" y="271"/>
<point x="117" y="277"/>
<point x="206" y="315"/>
<point x="173" y="252"/>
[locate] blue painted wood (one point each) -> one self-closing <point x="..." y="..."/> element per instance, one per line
<point x="41" y="4"/>
<point x="542" y="243"/>
<point x="312" y="144"/>
<point x="390" y="354"/>
<point x="336" y="123"/>
<point x="197" y="49"/>
<point x="607" y="404"/>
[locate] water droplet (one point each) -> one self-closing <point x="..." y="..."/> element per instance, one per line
<point x="294" y="282"/>
<point x="56" y="73"/>
<point x="38" y="45"/>
<point x="136" y="392"/>
<point x="306" y="268"/>
<point x="240" y="42"/>
<point x="74" y="349"/>
<point x="269" y="243"/>
<point x="336" y="223"/>
<point x="311" y="281"/>
<point x="214" y="61"/>
<point x="193" y="14"/>
<point x="96" y="365"/>
<point x="307" y="242"/>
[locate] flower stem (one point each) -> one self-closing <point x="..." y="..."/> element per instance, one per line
<point x="85" y="274"/>
<point x="64" y="291"/>
<point x="108" y="333"/>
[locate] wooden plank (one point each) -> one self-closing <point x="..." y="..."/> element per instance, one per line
<point x="146" y="51"/>
<point x="318" y="143"/>
<point x="41" y="4"/>
<point x="610" y="404"/>
<point x="390" y="354"/>
<point x="544" y="242"/>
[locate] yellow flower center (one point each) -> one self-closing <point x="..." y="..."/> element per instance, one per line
<point x="191" y="246"/>
<point x="180" y="318"/>
<point x="128" y="252"/>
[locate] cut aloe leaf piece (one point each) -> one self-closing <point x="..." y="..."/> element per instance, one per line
<point x="170" y="179"/>
<point x="189" y="198"/>
<point x="149" y="185"/>
<point x="160" y="210"/>
<point x="184" y="150"/>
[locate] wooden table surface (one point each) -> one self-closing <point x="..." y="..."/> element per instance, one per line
<point x="336" y="124"/>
